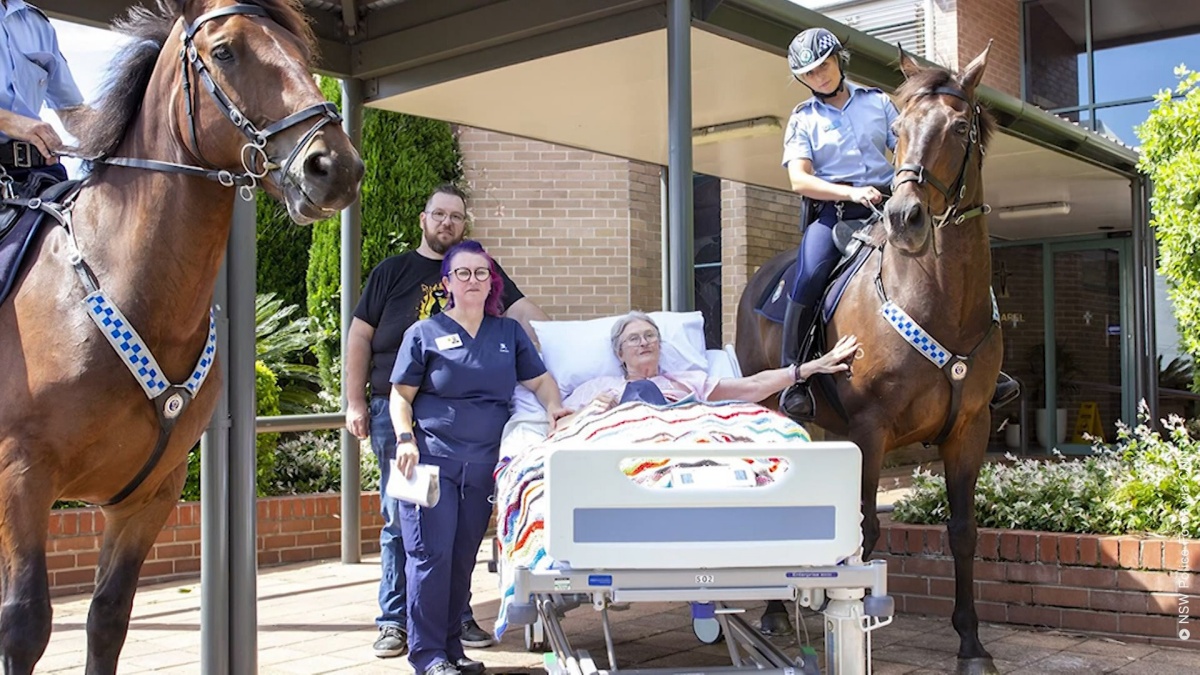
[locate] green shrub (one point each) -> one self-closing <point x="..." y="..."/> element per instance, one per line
<point x="1170" y="157"/>
<point x="406" y="158"/>
<point x="282" y="252"/>
<point x="266" y="392"/>
<point x="1144" y="483"/>
<point x="281" y="343"/>
<point x="311" y="462"/>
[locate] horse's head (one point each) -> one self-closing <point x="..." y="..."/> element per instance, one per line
<point x="942" y="131"/>
<point x="247" y="103"/>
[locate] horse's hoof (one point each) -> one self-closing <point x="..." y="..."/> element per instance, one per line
<point x="776" y="624"/>
<point x="980" y="665"/>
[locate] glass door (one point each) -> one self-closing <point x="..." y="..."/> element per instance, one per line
<point x="1088" y="315"/>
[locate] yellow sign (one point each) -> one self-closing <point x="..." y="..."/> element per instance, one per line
<point x="1087" y="422"/>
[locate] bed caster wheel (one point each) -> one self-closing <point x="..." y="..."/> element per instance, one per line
<point x="881" y="606"/>
<point x="535" y="638"/>
<point x="708" y="631"/>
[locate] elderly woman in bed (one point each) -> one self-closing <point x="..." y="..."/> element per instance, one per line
<point x="635" y="341"/>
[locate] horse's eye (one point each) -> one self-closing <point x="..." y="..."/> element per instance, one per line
<point x="222" y="53"/>
<point x="961" y="128"/>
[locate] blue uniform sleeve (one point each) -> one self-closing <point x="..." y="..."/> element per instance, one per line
<point x="890" y="112"/>
<point x="529" y="364"/>
<point x="797" y="143"/>
<point x="410" y="360"/>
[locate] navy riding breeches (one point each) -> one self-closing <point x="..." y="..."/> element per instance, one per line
<point x="818" y="254"/>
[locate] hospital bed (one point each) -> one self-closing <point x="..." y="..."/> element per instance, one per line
<point x="708" y="540"/>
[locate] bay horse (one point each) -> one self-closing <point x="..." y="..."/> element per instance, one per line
<point x="211" y="99"/>
<point x="933" y="262"/>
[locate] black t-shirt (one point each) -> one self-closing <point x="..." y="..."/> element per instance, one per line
<point x="402" y="290"/>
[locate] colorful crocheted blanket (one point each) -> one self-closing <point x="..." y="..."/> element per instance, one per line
<point x="520" y="484"/>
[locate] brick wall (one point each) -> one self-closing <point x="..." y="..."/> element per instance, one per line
<point x="1054" y="72"/>
<point x="1124" y="587"/>
<point x="568" y="225"/>
<point x="999" y="20"/>
<point x="290" y="529"/>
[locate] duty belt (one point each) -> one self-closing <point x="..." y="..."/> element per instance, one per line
<point x="20" y="155"/>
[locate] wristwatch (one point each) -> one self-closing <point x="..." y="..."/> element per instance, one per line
<point x="404" y="437"/>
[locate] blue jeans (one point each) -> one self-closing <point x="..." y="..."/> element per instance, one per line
<point x="392" y="582"/>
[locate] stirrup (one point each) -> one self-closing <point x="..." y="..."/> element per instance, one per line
<point x="797" y="402"/>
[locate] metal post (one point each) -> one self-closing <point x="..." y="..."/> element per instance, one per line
<point x="214" y="511"/>
<point x="1138" y="329"/>
<point x="243" y="496"/>
<point x="1150" y="264"/>
<point x="351" y="278"/>
<point x="679" y="133"/>
<point x="665" y="233"/>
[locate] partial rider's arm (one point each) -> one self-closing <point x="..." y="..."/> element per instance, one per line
<point x="806" y="183"/>
<point x="355" y="370"/>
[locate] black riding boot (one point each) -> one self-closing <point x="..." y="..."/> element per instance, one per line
<point x="1007" y="390"/>
<point x="796" y="401"/>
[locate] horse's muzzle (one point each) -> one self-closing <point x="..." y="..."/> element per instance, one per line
<point x="323" y="179"/>
<point x="907" y="223"/>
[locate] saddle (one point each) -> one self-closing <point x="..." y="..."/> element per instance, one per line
<point x="21" y="221"/>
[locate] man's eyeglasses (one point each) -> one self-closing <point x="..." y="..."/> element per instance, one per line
<point x="638" y="339"/>
<point x="464" y="274"/>
<point x="440" y="216"/>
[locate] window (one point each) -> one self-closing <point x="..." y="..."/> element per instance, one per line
<point x="1100" y="62"/>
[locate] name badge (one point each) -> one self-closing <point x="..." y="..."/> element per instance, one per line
<point x="448" y="342"/>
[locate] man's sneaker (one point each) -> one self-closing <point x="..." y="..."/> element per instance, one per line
<point x="392" y="642"/>
<point x="468" y="666"/>
<point x="475" y="637"/>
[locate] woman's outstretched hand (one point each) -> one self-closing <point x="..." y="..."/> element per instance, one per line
<point x="836" y="360"/>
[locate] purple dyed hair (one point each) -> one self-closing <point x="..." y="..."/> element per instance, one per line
<point x="494" y="305"/>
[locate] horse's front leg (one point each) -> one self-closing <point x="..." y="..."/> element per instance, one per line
<point x="129" y="533"/>
<point x="25" y="612"/>
<point x="962" y="454"/>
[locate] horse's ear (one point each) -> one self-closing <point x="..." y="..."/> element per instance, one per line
<point x="973" y="73"/>
<point x="908" y="65"/>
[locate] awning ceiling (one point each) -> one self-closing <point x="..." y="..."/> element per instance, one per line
<point x="592" y="74"/>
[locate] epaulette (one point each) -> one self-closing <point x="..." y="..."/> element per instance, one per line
<point x="38" y="11"/>
<point x="803" y="104"/>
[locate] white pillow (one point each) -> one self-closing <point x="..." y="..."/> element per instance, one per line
<point x="577" y="351"/>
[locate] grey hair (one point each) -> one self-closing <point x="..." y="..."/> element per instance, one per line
<point x="622" y="323"/>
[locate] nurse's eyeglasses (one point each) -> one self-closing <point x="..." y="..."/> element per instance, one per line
<point x="464" y="274"/>
<point x="638" y="339"/>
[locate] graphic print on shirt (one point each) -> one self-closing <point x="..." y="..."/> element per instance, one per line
<point x="433" y="300"/>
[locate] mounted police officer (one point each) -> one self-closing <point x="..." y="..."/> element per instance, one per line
<point x="835" y="150"/>
<point x="34" y="73"/>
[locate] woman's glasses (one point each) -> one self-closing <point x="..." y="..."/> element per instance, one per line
<point x="638" y="339"/>
<point x="464" y="274"/>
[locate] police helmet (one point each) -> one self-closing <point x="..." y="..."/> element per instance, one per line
<point x="810" y="48"/>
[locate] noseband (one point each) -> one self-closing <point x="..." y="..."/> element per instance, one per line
<point x="255" y="161"/>
<point x="916" y="173"/>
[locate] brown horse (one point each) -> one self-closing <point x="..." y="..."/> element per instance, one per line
<point x="211" y="99"/>
<point x="935" y="265"/>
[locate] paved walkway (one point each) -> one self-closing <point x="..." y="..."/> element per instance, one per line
<point x="318" y="618"/>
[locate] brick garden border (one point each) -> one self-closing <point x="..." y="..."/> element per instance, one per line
<point x="1123" y="587"/>
<point x="290" y="529"/>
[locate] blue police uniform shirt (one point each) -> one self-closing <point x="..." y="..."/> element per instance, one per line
<point x="464" y="383"/>
<point x="845" y="146"/>
<point x="32" y="68"/>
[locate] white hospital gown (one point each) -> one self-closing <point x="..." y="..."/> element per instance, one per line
<point x="674" y="386"/>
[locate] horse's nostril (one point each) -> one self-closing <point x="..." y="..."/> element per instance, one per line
<point x="912" y="216"/>
<point x="318" y="165"/>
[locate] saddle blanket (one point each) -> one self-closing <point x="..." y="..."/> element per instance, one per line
<point x="14" y="244"/>
<point x="773" y="303"/>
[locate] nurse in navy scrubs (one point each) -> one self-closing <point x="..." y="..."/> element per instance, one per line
<point x="451" y="386"/>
